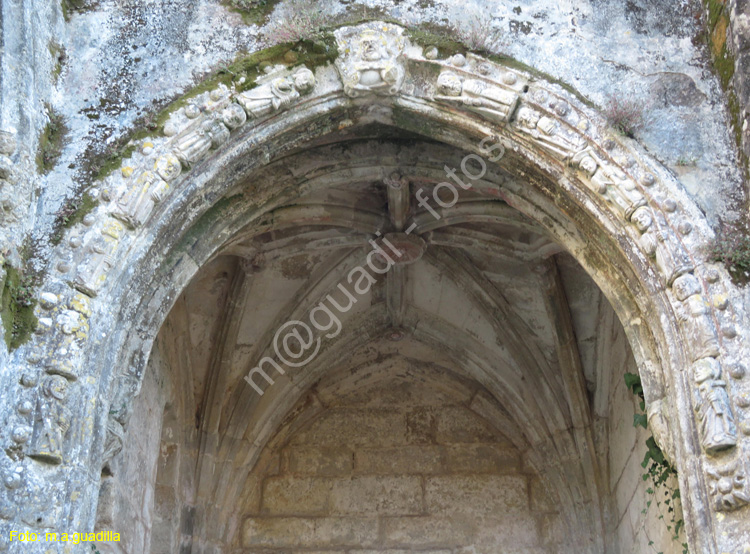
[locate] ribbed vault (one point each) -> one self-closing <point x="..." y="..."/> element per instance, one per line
<point x="486" y="301"/>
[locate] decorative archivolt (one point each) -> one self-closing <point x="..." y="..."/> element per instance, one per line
<point x="377" y="64"/>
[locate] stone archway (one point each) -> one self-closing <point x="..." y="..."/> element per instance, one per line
<point x="182" y="198"/>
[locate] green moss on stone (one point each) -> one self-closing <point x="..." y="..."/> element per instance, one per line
<point x="215" y="213"/>
<point x="51" y="141"/>
<point x="69" y="7"/>
<point x="515" y="64"/>
<point x="72" y="212"/>
<point x="724" y="64"/>
<point x="428" y="35"/>
<point x="311" y="53"/>
<point x="17" y="311"/>
<point x="253" y="12"/>
<point x="58" y="54"/>
<point x="111" y="162"/>
<point x="715" y="9"/>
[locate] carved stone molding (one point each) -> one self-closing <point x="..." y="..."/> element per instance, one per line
<point x="492" y="101"/>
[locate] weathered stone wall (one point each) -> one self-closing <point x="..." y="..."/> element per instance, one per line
<point x="728" y="27"/>
<point x="126" y="497"/>
<point x="108" y="83"/>
<point x="401" y="472"/>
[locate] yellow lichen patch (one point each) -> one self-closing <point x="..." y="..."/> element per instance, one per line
<point x="81" y="303"/>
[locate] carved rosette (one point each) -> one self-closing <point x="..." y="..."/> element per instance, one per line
<point x="371" y="59"/>
<point x="728" y="487"/>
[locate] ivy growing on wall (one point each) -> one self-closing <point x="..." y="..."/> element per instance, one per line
<point x="659" y="472"/>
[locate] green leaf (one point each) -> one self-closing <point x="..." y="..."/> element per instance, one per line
<point x="640" y="420"/>
<point x="632" y="380"/>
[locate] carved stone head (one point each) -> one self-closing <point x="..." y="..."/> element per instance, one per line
<point x="304" y="80"/>
<point x="371" y="49"/>
<point x="706" y="369"/>
<point x="369" y="61"/>
<point x="686" y="286"/>
<point x="588" y="164"/>
<point x="642" y="219"/>
<point x="449" y="84"/>
<point x="527" y="117"/>
<point x="233" y="116"/>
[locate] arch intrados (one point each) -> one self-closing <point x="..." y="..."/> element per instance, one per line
<point x="207" y="246"/>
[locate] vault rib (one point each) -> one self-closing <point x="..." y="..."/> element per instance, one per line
<point x="574" y="384"/>
<point x="395" y="284"/>
<point x="507" y="324"/>
<point x="321" y="282"/>
<point x="473" y="212"/>
<point x="219" y="369"/>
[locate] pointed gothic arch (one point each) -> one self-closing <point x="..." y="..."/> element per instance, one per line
<point x="226" y="172"/>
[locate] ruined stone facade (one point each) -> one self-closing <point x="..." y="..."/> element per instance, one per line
<point x="389" y="288"/>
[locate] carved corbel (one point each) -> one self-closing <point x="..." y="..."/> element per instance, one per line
<point x="370" y="60"/>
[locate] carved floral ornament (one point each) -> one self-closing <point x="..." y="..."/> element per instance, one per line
<point x="372" y="65"/>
